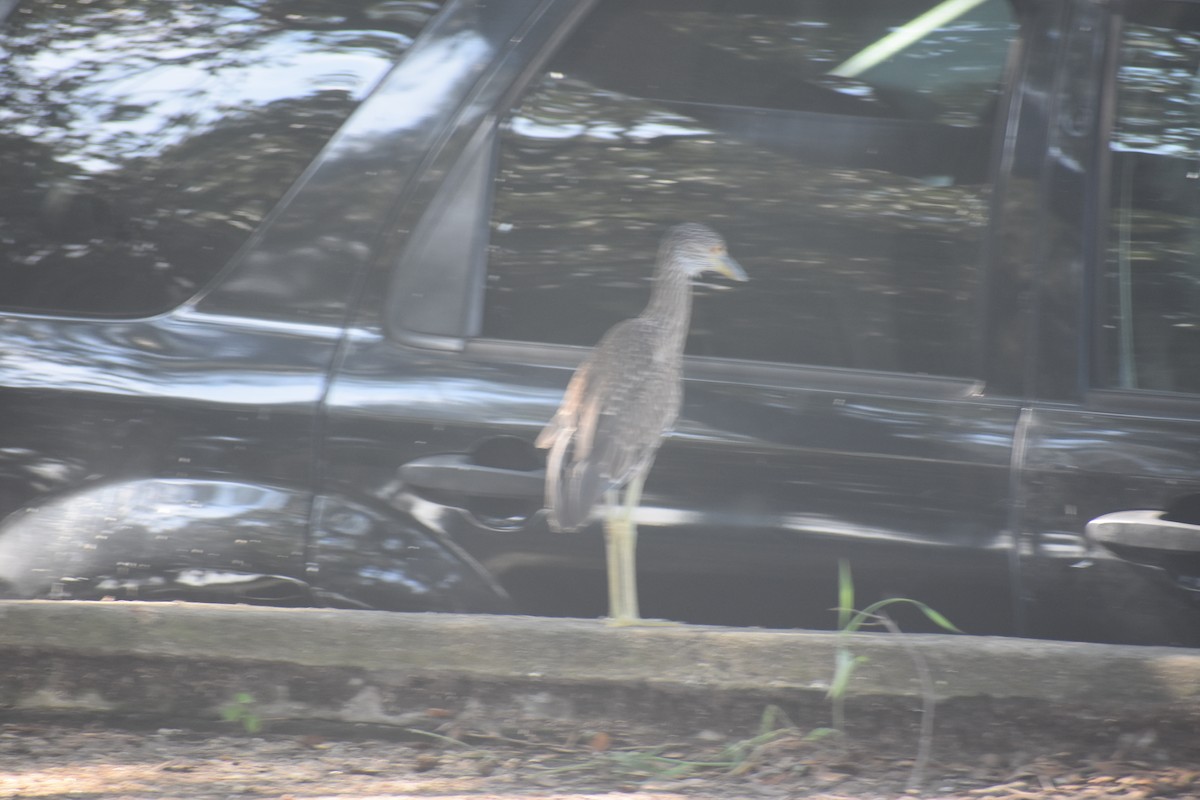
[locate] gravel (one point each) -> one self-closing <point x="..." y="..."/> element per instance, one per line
<point x="107" y="760"/>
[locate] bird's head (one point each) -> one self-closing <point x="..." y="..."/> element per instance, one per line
<point x="699" y="249"/>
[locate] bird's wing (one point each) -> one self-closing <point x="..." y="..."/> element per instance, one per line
<point x="565" y="483"/>
<point x="565" y="419"/>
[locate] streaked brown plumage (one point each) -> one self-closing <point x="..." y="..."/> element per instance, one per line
<point x="621" y="400"/>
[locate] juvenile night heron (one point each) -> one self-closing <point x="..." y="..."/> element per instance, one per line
<point x="621" y="400"/>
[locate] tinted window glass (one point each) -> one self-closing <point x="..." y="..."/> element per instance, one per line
<point x="1150" y="323"/>
<point x="841" y="148"/>
<point x="140" y="144"/>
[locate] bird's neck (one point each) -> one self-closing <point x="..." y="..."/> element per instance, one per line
<point x="671" y="304"/>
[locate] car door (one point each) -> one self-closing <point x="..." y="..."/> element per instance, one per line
<point x="1110" y="478"/>
<point x="840" y="405"/>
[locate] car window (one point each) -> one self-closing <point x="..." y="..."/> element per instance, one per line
<point x="141" y="144"/>
<point x="841" y="148"/>
<point x="1150" y="313"/>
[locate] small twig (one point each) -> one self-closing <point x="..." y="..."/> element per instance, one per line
<point x="557" y="748"/>
<point x="438" y="736"/>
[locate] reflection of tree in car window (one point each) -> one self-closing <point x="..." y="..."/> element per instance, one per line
<point x="140" y="145"/>
<point x="858" y="200"/>
<point x="1150" y="328"/>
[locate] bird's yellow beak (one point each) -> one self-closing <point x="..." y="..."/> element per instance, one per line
<point x="723" y="264"/>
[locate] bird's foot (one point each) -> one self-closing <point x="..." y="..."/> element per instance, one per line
<point x="638" y="622"/>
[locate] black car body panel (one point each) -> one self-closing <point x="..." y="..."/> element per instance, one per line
<point x="800" y="477"/>
<point x="111" y="415"/>
<point x="940" y="371"/>
<point x="100" y="410"/>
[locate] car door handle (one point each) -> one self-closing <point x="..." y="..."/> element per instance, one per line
<point x="1145" y="529"/>
<point x="455" y="472"/>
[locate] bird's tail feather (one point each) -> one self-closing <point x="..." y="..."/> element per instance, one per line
<point x="572" y="488"/>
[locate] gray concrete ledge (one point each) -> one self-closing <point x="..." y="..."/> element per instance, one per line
<point x="360" y="666"/>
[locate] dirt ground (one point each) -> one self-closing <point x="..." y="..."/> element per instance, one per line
<point x="54" y="758"/>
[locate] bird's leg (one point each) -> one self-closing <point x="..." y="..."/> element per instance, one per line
<point x="621" y="541"/>
<point x="620" y="536"/>
<point x="633" y="498"/>
<point x="613" y="525"/>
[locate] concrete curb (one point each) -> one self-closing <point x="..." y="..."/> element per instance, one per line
<point x="359" y="666"/>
